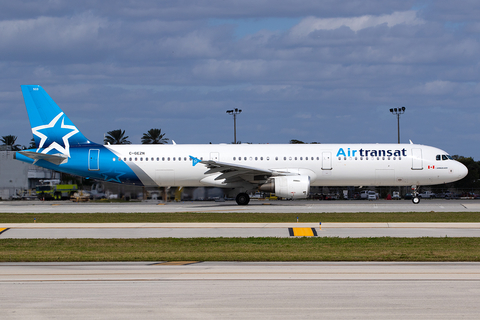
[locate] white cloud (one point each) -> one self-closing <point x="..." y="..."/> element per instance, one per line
<point x="311" y="24"/>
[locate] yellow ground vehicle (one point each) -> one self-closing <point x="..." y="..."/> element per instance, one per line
<point x="53" y="190"/>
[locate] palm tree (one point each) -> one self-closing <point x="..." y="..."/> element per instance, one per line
<point x="10" y="141"/>
<point x="154" y="136"/>
<point x="295" y="141"/>
<point x="32" y="145"/>
<point x="116" y="137"/>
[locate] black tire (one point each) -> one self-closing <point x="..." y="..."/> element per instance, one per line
<point x="242" y="199"/>
<point x="416" y="200"/>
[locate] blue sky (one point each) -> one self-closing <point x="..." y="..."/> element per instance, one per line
<point x="325" y="71"/>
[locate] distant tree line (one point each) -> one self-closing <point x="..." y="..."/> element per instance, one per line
<point x="472" y="180"/>
<point x="152" y="136"/>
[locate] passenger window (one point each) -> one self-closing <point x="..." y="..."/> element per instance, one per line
<point x="158" y="159"/>
<point x="234" y="158"/>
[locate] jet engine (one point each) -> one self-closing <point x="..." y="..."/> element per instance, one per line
<point x="290" y="187"/>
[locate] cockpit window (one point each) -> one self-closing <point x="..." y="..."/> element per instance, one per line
<point x="443" y="157"/>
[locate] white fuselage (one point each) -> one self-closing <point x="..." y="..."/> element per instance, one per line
<point x="325" y="164"/>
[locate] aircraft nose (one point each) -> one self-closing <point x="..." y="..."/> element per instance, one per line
<point x="461" y="170"/>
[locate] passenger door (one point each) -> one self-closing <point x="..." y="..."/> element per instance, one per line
<point x="93" y="159"/>
<point x="417" y="161"/>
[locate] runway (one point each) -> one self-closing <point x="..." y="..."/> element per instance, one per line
<point x="304" y="206"/>
<point x="240" y="290"/>
<point x="243" y="230"/>
<point x="189" y="230"/>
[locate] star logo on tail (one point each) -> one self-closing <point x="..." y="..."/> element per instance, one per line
<point x="60" y="127"/>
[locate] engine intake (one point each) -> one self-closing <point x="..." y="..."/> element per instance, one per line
<point x="290" y="187"/>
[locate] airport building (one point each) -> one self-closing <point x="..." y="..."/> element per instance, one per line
<point x="19" y="179"/>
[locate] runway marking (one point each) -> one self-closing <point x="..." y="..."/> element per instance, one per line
<point x="175" y="263"/>
<point x="2" y="230"/>
<point x="302" y="232"/>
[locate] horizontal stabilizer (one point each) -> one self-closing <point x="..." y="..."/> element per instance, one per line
<point x="53" y="158"/>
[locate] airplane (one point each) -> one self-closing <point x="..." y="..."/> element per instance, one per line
<point x="288" y="170"/>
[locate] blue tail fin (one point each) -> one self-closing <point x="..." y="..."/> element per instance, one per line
<point x="52" y="130"/>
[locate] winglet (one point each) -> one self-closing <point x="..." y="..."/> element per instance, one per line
<point x="194" y="160"/>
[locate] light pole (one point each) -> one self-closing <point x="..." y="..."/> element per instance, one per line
<point x="398" y="112"/>
<point x="234" y="112"/>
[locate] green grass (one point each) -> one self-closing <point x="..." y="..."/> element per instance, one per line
<point x="239" y="217"/>
<point x="241" y="249"/>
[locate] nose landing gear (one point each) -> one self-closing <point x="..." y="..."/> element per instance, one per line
<point x="415" y="197"/>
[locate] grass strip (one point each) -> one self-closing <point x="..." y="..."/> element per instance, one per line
<point x="241" y="249"/>
<point x="239" y="217"/>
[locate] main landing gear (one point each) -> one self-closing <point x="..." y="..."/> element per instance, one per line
<point x="415" y="197"/>
<point x="242" y="199"/>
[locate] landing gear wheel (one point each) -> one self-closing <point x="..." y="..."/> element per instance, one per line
<point x="242" y="199"/>
<point x="416" y="200"/>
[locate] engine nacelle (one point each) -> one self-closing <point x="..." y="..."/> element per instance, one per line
<point x="290" y="187"/>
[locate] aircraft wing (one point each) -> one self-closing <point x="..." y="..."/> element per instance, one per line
<point x="235" y="172"/>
